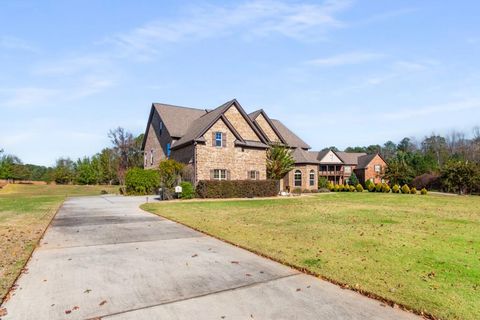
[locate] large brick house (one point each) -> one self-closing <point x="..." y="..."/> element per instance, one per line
<point x="227" y="143"/>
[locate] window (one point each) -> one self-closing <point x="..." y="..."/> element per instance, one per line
<point x="151" y="157"/>
<point x="312" y="177"/>
<point x="347" y="169"/>
<point x="160" y="128"/>
<point x="253" y="175"/>
<point x="168" y="150"/>
<point x="323" y="168"/>
<point x="145" y="160"/>
<point x="378" y="168"/>
<point x="218" y="139"/>
<point x="298" y="178"/>
<point x="220" y="174"/>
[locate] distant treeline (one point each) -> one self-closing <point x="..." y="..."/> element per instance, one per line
<point x="106" y="167"/>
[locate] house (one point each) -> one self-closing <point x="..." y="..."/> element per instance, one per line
<point x="227" y="143"/>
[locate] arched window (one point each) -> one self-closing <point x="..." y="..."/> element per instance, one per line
<point x="298" y="178"/>
<point x="312" y="178"/>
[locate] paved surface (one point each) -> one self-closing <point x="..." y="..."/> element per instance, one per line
<point x="104" y="257"/>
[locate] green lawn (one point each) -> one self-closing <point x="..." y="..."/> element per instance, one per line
<point x="420" y="251"/>
<point x="25" y="212"/>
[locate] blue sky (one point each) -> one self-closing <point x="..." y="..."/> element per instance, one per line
<point x="336" y="72"/>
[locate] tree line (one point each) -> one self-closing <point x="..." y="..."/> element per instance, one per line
<point x="108" y="166"/>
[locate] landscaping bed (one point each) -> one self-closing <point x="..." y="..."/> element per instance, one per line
<point x="421" y="252"/>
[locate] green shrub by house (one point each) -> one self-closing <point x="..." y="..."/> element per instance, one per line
<point x="297" y="191"/>
<point x="378" y="187"/>
<point x="413" y="190"/>
<point x="139" y="181"/>
<point x="405" y="189"/>
<point x="423" y="191"/>
<point x="386" y="188"/>
<point x="238" y="188"/>
<point x="352" y="189"/>
<point x="322" y="182"/>
<point x="359" y="188"/>
<point x="396" y="188"/>
<point x="330" y="186"/>
<point x="188" y="191"/>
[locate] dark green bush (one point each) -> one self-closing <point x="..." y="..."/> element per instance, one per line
<point x="322" y="182"/>
<point x="188" y="191"/>
<point x="139" y="181"/>
<point x="238" y="188"/>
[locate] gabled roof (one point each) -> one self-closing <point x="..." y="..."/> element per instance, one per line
<point x="177" y="119"/>
<point x="350" y="157"/>
<point x="303" y="156"/>
<point x="365" y="160"/>
<point x="254" y="115"/>
<point x="291" y="139"/>
<point x="203" y="123"/>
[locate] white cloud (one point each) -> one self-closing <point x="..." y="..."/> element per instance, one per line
<point x="250" y="19"/>
<point x="14" y="43"/>
<point x="346" y="59"/>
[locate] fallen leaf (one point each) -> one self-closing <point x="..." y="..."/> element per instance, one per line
<point x="195" y="255"/>
<point x="103" y="302"/>
<point x="68" y="311"/>
<point x="235" y="262"/>
<point x="87" y="291"/>
<point x="76" y="308"/>
<point x="248" y="274"/>
<point x="298" y="289"/>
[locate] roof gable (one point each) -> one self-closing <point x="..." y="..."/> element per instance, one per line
<point x="330" y="157"/>
<point x="365" y="160"/>
<point x="350" y="157"/>
<point x="291" y="139"/>
<point x="266" y="127"/>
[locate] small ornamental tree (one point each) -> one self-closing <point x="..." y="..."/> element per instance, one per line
<point x="359" y="188"/>
<point x="169" y="171"/>
<point x="353" y="180"/>
<point x="405" y="189"/>
<point x="279" y="162"/>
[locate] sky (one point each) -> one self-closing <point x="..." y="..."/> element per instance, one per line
<point x="338" y="72"/>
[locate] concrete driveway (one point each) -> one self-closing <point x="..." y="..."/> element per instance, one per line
<point x="103" y="257"/>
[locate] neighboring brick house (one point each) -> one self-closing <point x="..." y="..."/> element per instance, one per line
<point x="227" y="143"/>
<point x="370" y="167"/>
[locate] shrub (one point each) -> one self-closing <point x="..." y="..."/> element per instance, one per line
<point x="378" y="187"/>
<point x="352" y="189"/>
<point x="169" y="173"/>
<point x="341" y="187"/>
<point x="367" y="184"/>
<point x="139" y="181"/>
<point x="423" y="191"/>
<point x="297" y="191"/>
<point x="371" y="187"/>
<point x="336" y="188"/>
<point x="314" y="191"/>
<point x="396" y="188"/>
<point x="324" y="190"/>
<point x="322" y="182"/>
<point x="359" y="188"/>
<point x="330" y="186"/>
<point x="353" y="180"/>
<point x="306" y="191"/>
<point x="405" y="189"/>
<point x="413" y="190"/>
<point x="239" y="188"/>
<point x="188" y="192"/>
<point x="427" y="180"/>
<point x="386" y="188"/>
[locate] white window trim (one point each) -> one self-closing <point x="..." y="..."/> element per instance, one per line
<point x="379" y="168"/>
<point x="295" y="178"/>
<point x="256" y="175"/>
<point x="218" y="173"/>
<point x="151" y="157"/>
<point x="221" y="139"/>
<point x="311" y="181"/>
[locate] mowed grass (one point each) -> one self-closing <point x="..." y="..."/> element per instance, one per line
<point x="25" y="212"/>
<point x="420" y="251"/>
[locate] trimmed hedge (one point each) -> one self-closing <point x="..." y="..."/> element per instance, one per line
<point x="139" y="181"/>
<point x="237" y="188"/>
<point x="188" y="191"/>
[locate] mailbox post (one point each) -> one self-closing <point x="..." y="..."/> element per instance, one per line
<point x="178" y="191"/>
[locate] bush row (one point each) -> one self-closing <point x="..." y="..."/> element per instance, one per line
<point x="371" y="187"/>
<point x="237" y="188"/>
<point x="139" y="181"/>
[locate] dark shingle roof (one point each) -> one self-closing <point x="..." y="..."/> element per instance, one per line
<point x="363" y="161"/>
<point x="290" y="138"/>
<point x="350" y="157"/>
<point x="303" y="156"/>
<point x="177" y="119"/>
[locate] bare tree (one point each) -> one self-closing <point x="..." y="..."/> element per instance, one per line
<point x="123" y="144"/>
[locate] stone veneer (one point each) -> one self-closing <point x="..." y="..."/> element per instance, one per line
<point x="235" y="159"/>
<point x="288" y="180"/>
<point x="267" y="129"/>
<point x="240" y="124"/>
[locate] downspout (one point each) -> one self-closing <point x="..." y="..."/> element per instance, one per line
<point x="195" y="163"/>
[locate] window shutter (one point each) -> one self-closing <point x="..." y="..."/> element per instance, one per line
<point x="212" y="174"/>
<point x="213" y="139"/>
<point x="248" y="175"/>
<point x="224" y="139"/>
<point x="228" y="174"/>
<point x="257" y="175"/>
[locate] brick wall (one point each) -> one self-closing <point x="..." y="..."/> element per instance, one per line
<point x="240" y="124"/>
<point x="235" y="159"/>
<point x="369" y="172"/>
<point x="156" y="142"/>
<point x="262" y="122"/>
<point x="305" y="170"/>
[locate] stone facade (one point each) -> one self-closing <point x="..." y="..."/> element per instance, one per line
<point x="240" y="124"/>
<point x="156" y="143"/>
<point x="305" y="169"/>
<point x="238" y="161"/>
<point x="267" y="129"/>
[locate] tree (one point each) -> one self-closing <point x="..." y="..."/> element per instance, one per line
<point x="353" y="180"/>
<point x="389" y="150"/>
<point x="64" y="171"/>
<point x="398" y="171"/>
<point x="7" y="165"/>
<point x="123" y="145"/>
<point x="107" y="166"/>
<point x="406" y="145"/>
<point x="279" y="162"/>
<point x="333" y="148"/>
<point x="460" y="176"/>
<point x="356" y="149"/>
<point x="169" y="171"/>
<point x="85" y="171"/>
<point x="436" y="146"/>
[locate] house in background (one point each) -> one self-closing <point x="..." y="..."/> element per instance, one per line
<point x="227" y="143"/>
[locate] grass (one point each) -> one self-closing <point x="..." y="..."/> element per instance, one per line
<point x="422" y="252"/>
<point x="25" y="212"/>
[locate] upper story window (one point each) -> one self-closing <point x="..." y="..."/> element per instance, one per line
<point x="378" y="168"/>
<point x="297" y="178"/>
<point x="312" y="177"/>
<point x="160" y="128"/>
<point x="219" y="139"/>
<point x="151" y="157"/>
<point x="145" y="160"/>
<point x="347" y="169"/>
<point x="168" y="150"/>
<point x="254" y="175"/>
<point x="219" y="174"/>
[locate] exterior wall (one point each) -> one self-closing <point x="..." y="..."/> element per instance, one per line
<point x="156" y="142"/>
<point x="184" y="155"/>
<point x="271" y="135"/>
<point x="330" y="158"/>
<point x="289" y="180"/>
<point x="235" y="159"/>
<point x="369" y="172"/>
<point x="240" y="124"/>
